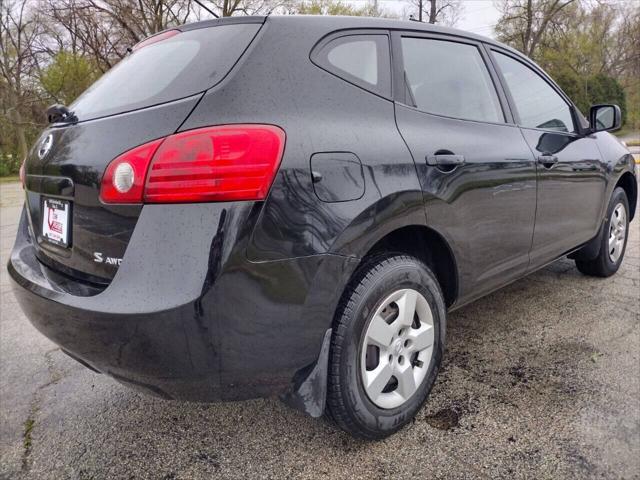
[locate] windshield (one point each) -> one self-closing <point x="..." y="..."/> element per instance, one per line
<point x="180" y="66"/>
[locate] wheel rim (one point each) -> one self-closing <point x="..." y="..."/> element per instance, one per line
<point x="617" y="232"/>
<point x="397" y="348"/>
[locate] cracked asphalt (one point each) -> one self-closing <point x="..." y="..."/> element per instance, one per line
<point x="540" y="380"/>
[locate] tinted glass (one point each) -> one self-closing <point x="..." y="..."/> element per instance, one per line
<point x="537" y="103"/>
<point x="448" y="78"/>
<point x="185" y="64"/>
<point x="360" y="59"/>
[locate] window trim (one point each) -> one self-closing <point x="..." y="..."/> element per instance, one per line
<point x="538" y="71"/>
<point x="319" y="57"/>
<point x="398" y="72"/>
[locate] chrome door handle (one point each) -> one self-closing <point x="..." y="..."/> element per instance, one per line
<point x="547" y="159"/>
<point x="445" y="159"/>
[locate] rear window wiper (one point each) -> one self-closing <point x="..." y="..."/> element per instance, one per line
<point x="59" y="113"/>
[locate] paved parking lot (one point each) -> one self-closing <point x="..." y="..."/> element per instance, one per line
<point x="540" y="380"/>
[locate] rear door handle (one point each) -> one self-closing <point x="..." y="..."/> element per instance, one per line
<point x="547" y="159"/>
<point x="445" y="159"/>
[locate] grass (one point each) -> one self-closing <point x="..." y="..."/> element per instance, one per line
<point x="28" y="427"/>
<point x="10" y="179"/>
<point x="625" y="131"/>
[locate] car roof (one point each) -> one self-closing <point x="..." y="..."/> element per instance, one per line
<point x="339" y="22"/>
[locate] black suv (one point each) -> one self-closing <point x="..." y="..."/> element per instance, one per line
<point x="290" y="205"/>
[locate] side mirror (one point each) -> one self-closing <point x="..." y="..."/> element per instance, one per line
<point x="605" y="118"/>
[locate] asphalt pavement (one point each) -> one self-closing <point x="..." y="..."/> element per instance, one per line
<point x="540" y="380"/>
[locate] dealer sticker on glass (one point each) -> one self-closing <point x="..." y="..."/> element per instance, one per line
<point x="55" y="221"/>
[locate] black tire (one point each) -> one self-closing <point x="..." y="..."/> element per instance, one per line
<point x="603" y="265"/>
<point x="347" y="402"/>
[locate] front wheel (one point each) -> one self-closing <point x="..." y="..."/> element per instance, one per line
<point x="614" y="239"/>
<point x="386" y="347"/>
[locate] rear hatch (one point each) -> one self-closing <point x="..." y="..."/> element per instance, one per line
<point x="147" y="96"/>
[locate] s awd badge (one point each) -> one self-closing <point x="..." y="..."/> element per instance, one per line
<point x="98" y="257"/>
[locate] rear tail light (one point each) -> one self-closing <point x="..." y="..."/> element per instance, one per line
<point x="231" y="162"/>
<point x="137" y="160"/>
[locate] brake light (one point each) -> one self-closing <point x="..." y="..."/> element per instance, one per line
<point x="230" y="162"/>
<point x="155" y="39"/>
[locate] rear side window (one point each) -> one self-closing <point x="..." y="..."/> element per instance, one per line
<point x="360" y="59"/>
<point x="180" y="66"/>
<point x="450" y="79"/>
<point x="537" y="103"/>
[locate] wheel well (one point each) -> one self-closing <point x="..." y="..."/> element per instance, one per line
<point x="628" y="183"/>
<point x="427" y="245"/>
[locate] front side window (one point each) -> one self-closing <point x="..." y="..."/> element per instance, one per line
<point x="537" y="103"/>
<point x="450" y="79"/>
<point x="361" y="59"/>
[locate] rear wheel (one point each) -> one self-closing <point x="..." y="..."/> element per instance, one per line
<point x="614" y="239"/>
<point x="386" y="347"/>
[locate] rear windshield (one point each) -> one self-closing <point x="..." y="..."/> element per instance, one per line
<point x="180" y="66"/>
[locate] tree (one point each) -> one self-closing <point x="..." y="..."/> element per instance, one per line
<point x="19" y="32"/>
<point x="625" y="54"/>
<point x="333" y="7"/>
<point x="446" y="12"/>
<point x="77" y="26"/>
<point x="524" y="23"/>
<point x="228" y="8"/>
<point x="68" y="76"/>
<point x="589" y="48"/>
<point x="141" y="18"/>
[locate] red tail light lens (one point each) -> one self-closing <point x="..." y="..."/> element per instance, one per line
<point x="155" y="39"/>
<point x="116" y="187"/>
<point x="231" y="162"/>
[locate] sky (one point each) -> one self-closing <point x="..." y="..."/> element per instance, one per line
<point x="478" y="16"/>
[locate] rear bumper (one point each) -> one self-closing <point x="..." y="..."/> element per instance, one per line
<point x="187" y="316"/>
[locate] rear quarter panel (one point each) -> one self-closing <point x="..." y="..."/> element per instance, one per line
<point x="301" y="250"/>
<point x="278" y="84"/>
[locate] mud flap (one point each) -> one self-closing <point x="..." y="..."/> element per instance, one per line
<point x="591" y="249"/>
<point x="309" y="389"/>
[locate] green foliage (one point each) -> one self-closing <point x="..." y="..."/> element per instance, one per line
<point x="633" y="102"/>
<point x="335" y="7"/>
<point x="9" y="156"/>
<point x="9" y="164"/>
<point x="68" y="76"/>
<point x="592" y="90"/>
<point x="10" y="152"/>
<point x="602" y="88"/>
<point x="589" y="49"/>
<point x="62" y="80"/>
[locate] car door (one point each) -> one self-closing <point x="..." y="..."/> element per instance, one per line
<point x="476" y="171"/>
<point x="571" y="174"/>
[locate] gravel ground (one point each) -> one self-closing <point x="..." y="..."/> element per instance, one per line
<point x="540" y="380"/>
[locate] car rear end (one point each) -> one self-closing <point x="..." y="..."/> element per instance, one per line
<point x="125" y="218"/>
<point x="81" y="225"/>
<point x="173" y="237"/>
